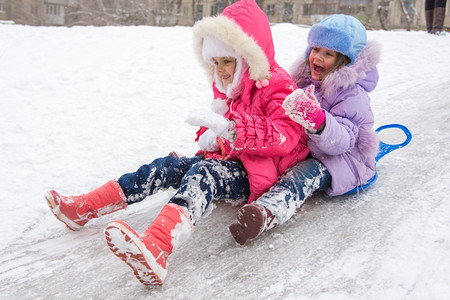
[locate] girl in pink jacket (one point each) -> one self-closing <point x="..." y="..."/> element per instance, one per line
<point x="259" y="143"/>
<point x="266" y="141"/>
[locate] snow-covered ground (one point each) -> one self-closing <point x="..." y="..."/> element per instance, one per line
<point x="83" y="105"/>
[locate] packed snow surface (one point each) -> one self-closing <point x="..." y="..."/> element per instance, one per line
<point x="83" y="105"/>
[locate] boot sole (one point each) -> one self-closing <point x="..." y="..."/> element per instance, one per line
<point x="250" y="224"/>
<point x="54" y="207"/>
<point x="125" y="243"/>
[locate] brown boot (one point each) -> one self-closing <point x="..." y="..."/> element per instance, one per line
<point x="429" y="19"/>
<point x="252" y="220"/>
<point x="438" y="19"/>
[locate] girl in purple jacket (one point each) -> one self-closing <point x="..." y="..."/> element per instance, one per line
<point x="333" y="106"/>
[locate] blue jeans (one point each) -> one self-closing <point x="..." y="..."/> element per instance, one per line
<point x="198" y="181"/>
<point x="294" y="187"/>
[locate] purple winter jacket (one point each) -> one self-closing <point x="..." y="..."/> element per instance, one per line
<point x="348" y="145"/>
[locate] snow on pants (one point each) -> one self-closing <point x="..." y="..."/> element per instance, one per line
<point x="198" y="181"/>
<point x="294" y="187"/>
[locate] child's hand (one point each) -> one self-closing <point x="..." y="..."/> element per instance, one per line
<point x="217" y="123"/>
<point x="303" y="108"/>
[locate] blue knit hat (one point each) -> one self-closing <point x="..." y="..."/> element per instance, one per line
<point x="340" y="33"/>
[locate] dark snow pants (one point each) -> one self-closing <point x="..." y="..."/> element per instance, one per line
<point x="294" y="187"/>
<point x="198" y="181"/>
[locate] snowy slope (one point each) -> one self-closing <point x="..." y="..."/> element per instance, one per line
<point x="83" y="105"/>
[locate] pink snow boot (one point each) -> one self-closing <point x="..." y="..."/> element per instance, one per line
<point x="147" y="253"/>
<point x="252" y="220"/>
<point x="75" y="211"/>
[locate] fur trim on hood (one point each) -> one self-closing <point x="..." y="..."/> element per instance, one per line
<point x="232" y="28"/>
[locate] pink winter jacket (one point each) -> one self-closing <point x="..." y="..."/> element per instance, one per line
<point x="267" y="141"/>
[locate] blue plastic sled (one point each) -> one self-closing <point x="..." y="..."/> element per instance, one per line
<point x="384" y="149"/>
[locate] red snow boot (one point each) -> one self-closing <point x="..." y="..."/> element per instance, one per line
<point x="252" y="220"/>
<point x="147" y="253"/>
<point x="75" y="211"/>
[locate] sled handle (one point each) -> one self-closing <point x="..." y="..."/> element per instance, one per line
<point x="384" y="149"/>
<point x="387" y="148"/>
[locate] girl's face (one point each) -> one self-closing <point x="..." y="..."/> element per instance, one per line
<point x="225" y="67"/>
<point x="320" y="61"/>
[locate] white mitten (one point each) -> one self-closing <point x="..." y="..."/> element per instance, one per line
<point x="213" y="121"/>
<point x="208" y="141"/>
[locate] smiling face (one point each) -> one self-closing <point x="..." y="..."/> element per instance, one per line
<point x="225" y="68"/>
<point x="321" y="60"/>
